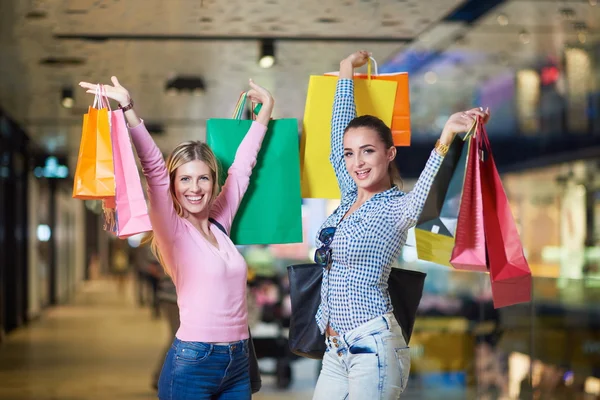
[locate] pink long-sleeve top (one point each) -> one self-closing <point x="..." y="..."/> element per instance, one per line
<point x="210" y="282"/>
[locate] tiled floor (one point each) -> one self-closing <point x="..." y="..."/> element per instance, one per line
<point x="103" y="346"/>
<point x="100" y="347"/>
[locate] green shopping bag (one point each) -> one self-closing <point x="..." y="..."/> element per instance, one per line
<point x="270" y="212"/>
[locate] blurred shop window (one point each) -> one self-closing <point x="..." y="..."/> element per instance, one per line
<point x="552" y="101"/>
<point x="260" y="261"/>
<point x="498" y="94"/>
<point x="592" y="386"/>
<point x="579" y="85"/>
<point x="527" y="99"/>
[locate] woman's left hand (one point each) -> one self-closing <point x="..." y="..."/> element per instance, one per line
<point x="462" y="122"/>
<point x="258" y="94"/>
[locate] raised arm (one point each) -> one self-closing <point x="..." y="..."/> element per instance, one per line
<point x="413" y="202"/>
<point x="344" y="111"/>
<point x="238" y="176"/>
<point x="162" y="213"/>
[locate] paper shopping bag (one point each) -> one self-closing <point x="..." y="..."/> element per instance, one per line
<point x="94" y="174"/>
<point x="401" y="115"/>
<point x="469" y="252"/>
<point x="436" y="227"/>
<point x="130" y="204"/>
<point x="509" y="271"/>
<point x="270" y="212"/>
<point x="374" y="97"/>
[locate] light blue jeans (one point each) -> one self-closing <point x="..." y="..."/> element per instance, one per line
<point x="370" y="362"/>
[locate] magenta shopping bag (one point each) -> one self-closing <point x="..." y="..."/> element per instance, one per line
<point x="131" y="215"/>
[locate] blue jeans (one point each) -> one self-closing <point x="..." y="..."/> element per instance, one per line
<point x="370" y="362"/>
<point x="204" y="371"/>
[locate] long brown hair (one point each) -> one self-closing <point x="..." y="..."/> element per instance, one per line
<point x="182" y="154"/>
<point x="385" y="134"/>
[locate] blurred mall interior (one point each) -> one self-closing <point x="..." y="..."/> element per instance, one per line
<point x="78" y="315"/>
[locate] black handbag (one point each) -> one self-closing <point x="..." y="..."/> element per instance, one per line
<point x="255" y="380"/>
<point x="305" y="339"/>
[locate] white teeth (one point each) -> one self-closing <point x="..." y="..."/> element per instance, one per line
<point x="197" y="198"/>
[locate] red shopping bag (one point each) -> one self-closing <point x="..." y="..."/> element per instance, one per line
<point x="469" y="251"/>
<point x="509" y="271"/>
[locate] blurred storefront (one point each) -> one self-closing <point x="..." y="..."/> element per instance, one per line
<point x="42" y="230"/>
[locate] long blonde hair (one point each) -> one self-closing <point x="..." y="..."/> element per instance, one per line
<point x="182" y="154"/>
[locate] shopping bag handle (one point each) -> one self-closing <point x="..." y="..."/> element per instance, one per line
<point x="472" y="132"/>
<point x="97" y="99"/>
<point x="372" y="61"/>
<point x="101" y="99"/>
<point x="482" y="141"/>
<point x="104" y="97"/>
<point x="239" y="108"/>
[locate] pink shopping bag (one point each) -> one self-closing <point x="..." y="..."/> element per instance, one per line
<point x="131" y="215"/>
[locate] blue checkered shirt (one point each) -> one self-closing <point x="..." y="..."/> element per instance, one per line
<point x="368" y="241"/>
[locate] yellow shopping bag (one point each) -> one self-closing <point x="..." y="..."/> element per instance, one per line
<point x="372" y="97"/>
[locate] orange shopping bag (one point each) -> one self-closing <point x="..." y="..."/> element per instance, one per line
<point x="95" y="174"/>
<point x="401" y="114"/>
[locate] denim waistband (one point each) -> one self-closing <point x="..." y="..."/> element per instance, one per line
<point x="231" y="348"/>
<point x="376" y="325"/>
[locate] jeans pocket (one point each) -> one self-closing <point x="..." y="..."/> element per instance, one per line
<point x="191" y="354"/>
<point x="403" y="358"/>
<point x="365" y="345"/>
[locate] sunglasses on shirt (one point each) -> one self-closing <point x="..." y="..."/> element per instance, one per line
<point x="323" y="253"/>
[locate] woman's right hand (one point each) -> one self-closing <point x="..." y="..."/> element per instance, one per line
<point x="116" y="92"/>
<point x="357" y="59"/>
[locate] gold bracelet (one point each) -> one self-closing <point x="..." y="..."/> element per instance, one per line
<point x="441" y="148"/>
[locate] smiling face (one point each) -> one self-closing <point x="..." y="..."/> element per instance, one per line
<point x="193" y="172"/>
<point x="193" y="186"/>
<point x="368" y="159"/>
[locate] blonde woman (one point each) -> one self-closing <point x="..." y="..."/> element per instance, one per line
<point x="209" y="355"/>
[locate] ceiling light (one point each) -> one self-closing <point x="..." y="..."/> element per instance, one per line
<point x="430" y="77"/>
<point x="524" y="36"/>
<point x="502" y="19"/>
<point x="267" y="53"/>
<point x="67" y="97"/>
